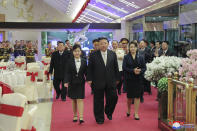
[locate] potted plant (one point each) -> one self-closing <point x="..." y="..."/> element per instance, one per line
<point x="163" y="97"/>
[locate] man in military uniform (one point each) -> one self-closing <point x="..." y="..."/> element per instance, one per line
<point x="49" y="50"/>
<point x="30" y="52"/>
<point x="17" y="49"/>
<point x="7" y="50"/>
<point x="23" y="47"/>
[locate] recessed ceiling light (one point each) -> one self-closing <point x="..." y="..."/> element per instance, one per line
<point x="98" y="14"/>
<point x="104" y="11"/>
<point x="129" y="4"/>
<point x="114" y="7"/>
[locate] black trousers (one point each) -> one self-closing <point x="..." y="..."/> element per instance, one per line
<point x="147" y="86"/>
<point x="111" y="101"/>
<point x="119" y="86"/>
<point x="63" y="91"/>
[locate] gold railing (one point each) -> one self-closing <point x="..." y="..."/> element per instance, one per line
<point x="185" y="96"/>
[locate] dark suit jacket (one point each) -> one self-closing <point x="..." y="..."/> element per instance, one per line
<point x="58" y="64"/>
<point x="101" y="75"/>
<point x="128" y="66"/>
<point x="168" y="53"/>
<point x="71" y="75"/>
<point x="146" y="54"/>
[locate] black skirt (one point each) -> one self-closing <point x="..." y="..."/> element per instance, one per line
<point x="134" y="88"/>
<point x="76" y="91"/>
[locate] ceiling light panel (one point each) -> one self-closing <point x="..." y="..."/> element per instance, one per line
<point x="94" y="17"/>
<point x="132" y="4"/>
<point x="100" y="15"/>
<point x="97" y="9"/>
<point x="112" y="6"/>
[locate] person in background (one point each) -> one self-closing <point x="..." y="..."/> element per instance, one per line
<point x="165" y="50"/>
<point x="95" y="43"/>
<point x="146" y="53"/>
<point x="22" y="47"/>
<point x="95" y="48"/>
<point x="7" y="51"/>
<point x="114" y="45"/>
<point x="104" y="75"/>
<point x="157" y="48"/>
<point x="68" y="44"/>
<point x="30" y="52"/>
<point x="59" y="63"/>
<point x="134" y="67"/>
<point x="120" y="55"/>
<point x="124" y="42"/>
<point x="75" y="81"/>
<point x="49" y="50"/>
<point x="17" y="49"/>
<point x="1" y="51"/>
<point x="83" y="53"/>
<point x="152" y="49"/>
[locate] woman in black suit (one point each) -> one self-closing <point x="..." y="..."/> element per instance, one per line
<point x="134" y="68"/>
<point x="75" y="80"/>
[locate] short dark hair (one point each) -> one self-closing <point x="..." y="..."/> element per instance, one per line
<point x="159" y="42"/>
<point x="167" y="42"/>
<point x="133" y="43"/>
<point x="49" y="43"/>
<point x="59" y="42"/>
<point x="152" y="42"/>
<point x="76" y="46"/>
<point x="103" y="38"/>
<point x="95" y="40"/>
<point x="115" y="41"/>
<point x="124" y="39"/>
<point x="145" y="41"/>
<point x="66" y="40"/>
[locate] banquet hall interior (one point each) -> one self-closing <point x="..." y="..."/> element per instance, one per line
<point x="31" y="32"/>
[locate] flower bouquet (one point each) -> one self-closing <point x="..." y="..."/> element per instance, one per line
<point x="161" y="67"/>
<point x="188" y="67"/>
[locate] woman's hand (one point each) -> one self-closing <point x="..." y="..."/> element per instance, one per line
<point x="65" y="84"/>
<point x="137" y="71"/>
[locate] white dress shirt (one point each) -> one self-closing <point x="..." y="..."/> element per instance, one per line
<point x="61" y="52"/>
<point x="78" y="64"/>
<point x="104" y="55"/>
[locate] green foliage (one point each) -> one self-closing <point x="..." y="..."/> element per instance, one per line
<point x="163" y="84"/>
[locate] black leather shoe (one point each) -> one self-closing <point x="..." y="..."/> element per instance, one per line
<point x="128" y="114"/>
<point x="132" y="102"/>
<point x="109" y="117"/>
<point x="100" y="122"/>
<point x="142" y="100"/>
<point x="136" y="118"/>
<point x="81" y="121"/>
<point x="119" y="92"/>
<point x="75" y="119"/>
<point x="58" y="96"/>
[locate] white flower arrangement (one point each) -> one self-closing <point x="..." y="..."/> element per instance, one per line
<point x="161" y="67"/>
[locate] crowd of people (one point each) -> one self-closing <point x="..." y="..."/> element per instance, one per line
<point x="20" y="48"/>
<point x="106" y="71"/>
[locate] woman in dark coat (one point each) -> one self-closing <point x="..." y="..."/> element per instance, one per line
<point x="134" y="68"/>
<point x="75" y="80"/>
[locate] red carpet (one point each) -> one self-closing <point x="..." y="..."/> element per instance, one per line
<point x="62" y="116"/>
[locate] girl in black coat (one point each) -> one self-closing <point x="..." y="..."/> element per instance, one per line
<point x="75" y="80"/>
